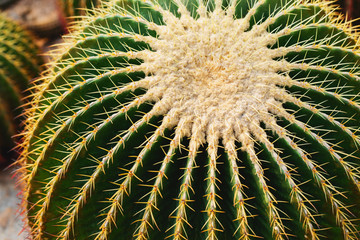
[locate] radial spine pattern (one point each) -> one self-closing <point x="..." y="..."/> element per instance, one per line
<point x="198" y="120"/>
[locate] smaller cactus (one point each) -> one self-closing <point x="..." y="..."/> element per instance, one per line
<point x="19" y="62"/>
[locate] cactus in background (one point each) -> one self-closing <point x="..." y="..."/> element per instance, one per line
<point x="19" y="63"/>
<point x="200" y="120"/>
<point x="76" y="8"/>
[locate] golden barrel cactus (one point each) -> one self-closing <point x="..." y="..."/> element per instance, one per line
<point x="219" y="119"/>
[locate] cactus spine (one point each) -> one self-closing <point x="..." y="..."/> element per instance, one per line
<point x="73" y="8"/>
<point x="19" y="63"/>
<point x="198" y="120"/>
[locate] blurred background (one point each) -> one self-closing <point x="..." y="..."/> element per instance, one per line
<point x="352" y="9"/>
<point x="46" y="21"/>
<point x="43" y="18"/>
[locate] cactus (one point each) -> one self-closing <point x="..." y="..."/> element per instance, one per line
<point x="19" y="63"/>
<point x="198" y="120"/>
<point x="76" y="8"/>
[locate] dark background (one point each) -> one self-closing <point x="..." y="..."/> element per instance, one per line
<point x="352" y="8"/>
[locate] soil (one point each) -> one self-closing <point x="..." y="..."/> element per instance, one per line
<point x="43" y="17"/>
<point x="11" y="224"/>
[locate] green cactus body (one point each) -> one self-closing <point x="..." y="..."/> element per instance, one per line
<point x="204" y="120"/>
<point x="19" y="63"/>
<point x="76" y="8"/>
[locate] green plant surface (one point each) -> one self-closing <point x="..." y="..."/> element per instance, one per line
<point x="76" y="8"/>
<point x="19" y="63"/>
<point x="195" y="120"/>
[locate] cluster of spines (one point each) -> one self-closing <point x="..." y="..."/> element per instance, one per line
<point x="146" y="222"/>
<point x="19" y="63"/>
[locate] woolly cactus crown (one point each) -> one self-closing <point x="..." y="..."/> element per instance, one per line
<point x="198" y="120"/>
